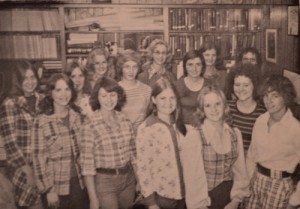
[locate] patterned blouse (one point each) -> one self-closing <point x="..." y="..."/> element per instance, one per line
<point x="16" y="120"/>
<point x="54" y="144"/>
<point x="158" y="167"/>
<point x="103" y="146"/>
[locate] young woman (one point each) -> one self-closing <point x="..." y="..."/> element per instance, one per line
<point x="159" y="168"/>
<point x="191" y="83"/>
<point x="159" y="63"/>
<point x="222" y="152"/>
<point x="56" y="147"/>
<point x="274" y="150"/>
<point x="215" y="70"/>
<point x="246" y="108"/>
<point x="108" y="149"/>
<point x="97" y="65"/>
<point x="17" y="114"/>
<point x="82" y="87"/>
<point x="137" y="93"/>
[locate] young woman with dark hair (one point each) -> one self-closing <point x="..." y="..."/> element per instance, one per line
<point x="17" y="114"/>
<point x="55" y="137"/>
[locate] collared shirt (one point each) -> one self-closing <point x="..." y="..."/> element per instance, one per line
<point x="158" y="168"/>
<point x="277" y="147"/>
<point x="104" y="146"/>
<point x="54" y="143"/>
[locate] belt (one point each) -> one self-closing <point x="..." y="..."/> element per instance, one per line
<point x="271" y="173"/>
<point x="115" y="171"/>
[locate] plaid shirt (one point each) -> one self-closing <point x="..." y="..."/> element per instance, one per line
<point x="53" y="145"/>
<point x="106" y="147"/>
<point x="16" y="121"/>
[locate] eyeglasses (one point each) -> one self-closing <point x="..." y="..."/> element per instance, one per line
<point x="249" y="60"/>
<point x="157" y="53"/>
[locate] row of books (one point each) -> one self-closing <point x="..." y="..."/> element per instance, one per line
<point x="230" y="45"/>
<point x="22" y="19"/>
<point x="210" y="19"/>
<point x="28" y="46"/>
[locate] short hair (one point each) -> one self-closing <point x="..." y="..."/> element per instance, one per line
<point x="211" y="88"/>
<point x="282" y="85"/>
<point x="90" y="58"/>
<point x="161" y="85"/>
<point x="18" y="76"/>
<point x="70" y="68"/>
<point x="47" y="103"/>
<point x="192" y="55"/>
<point x="250" y="71"/>
<point x="109" y="85"/>
<point x="252" y="50"/>
<point x="150" y="51"/>
<point x="125" y="56"/>
<point x="208" y="46"/>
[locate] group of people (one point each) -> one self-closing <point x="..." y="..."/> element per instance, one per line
<point x="98" y="136"/>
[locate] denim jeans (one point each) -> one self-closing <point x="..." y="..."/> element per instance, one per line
<point x="115" y="191"/>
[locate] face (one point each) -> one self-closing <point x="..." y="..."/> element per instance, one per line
<point x="29" y="83"/>
<point x="78" y="79"/>
<point x="165" y="102"/>
<point x="210" y="57"/>
<point x="194" y="67"/>
<point x="213" y="107"/>
<point x="249" y="58"/>
<point x="130" y="69"/>
<point x="100" y="64"/>
<point x="61" y="94"/>
<point x="243" y="88"/>
<point x="160" y="54"/>
<point x="274" y="102"/>
<point x="107" y="100"/>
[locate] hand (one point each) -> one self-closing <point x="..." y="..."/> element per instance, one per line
<point x="232" y="205"/>
<point x="53" y="200"/>
<point x="30" y="177"/>
<point x="154" y="207"/>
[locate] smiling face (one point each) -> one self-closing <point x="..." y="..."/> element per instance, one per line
<point x="243" y="88"/>
<point x="107" y="100"/>
<point x="194" y="67"/>
<point x="213" y="107"/>
<point x="160" y="54"/>
<point x="130" y="70"/>
<point x="274" y="103"/>
<point x="210" y="57"/>
<point x="29" y="83"/>
<point x="78" y="79"/>
<point x="165" y="102"/>
<point x="61" y="94"/>
<point x="100" y="66"/>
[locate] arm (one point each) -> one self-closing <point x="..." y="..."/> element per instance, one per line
<point x="8" y="118"/>
<point x="240" y="188"/>
<point x="193" y="170"/>
<point x="250" y="158"/>
<point x="90" y="185"/>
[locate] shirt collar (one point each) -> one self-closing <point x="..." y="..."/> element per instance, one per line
<point x="286" y="119"/>
<point x="152" y="119"/>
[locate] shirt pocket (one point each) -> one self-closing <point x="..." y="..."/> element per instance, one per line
<point x="54" y="147"/>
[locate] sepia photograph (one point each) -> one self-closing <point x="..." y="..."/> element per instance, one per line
<point x="149" y="104"/>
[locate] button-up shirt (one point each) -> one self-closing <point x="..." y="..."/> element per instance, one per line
<point x="104" y="146"/>
<point x="54" y="143"/>
<point x="276" y="147"/>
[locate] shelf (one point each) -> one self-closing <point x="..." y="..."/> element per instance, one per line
<point x="177" y="32"/>
<point x="29" y="32"/>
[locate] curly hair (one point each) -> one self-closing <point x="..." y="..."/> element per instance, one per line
<point x="125" y="56"/>
<point x="70" y="68"/>
<point x="192" y="55"/>
<point x="47" y="104"/>
<point x="109" y="85"/>
<point x="200" y="115"/>
<point x="219" y="65"/>
<point x="282" y="85"/>
<point x="150" y="51"/>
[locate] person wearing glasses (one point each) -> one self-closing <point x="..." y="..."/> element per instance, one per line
<point x="158" y="64"/>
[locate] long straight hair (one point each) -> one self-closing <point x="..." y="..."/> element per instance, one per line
<point x="161" y="85"/>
